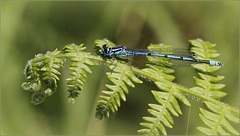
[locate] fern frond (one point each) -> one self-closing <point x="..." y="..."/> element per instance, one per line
<point x="51" y="64"/>
<point x="167" y="103"/>
<point x="42" y="72"/>
<point x="206" y="85"/>
<point x="79" y="66"/>
<point x="120" y="76"/>
<point x="217" y="118"/>
<point x="167" y="100"/>
<point x="45" y="65"/>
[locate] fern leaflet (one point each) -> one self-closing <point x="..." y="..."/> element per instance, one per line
<point x="79" y="66"/>
<point x="120" y="76"/>
<point x="167" y="100"/>
<point x="218" y="117"/>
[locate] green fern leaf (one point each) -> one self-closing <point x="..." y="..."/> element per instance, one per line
<point x="218" y="118"/>
<point x="160" y="73"/>
<point x="79" y="66"/>
<point x="167" y="103"/>
<point x="48" y="64"/>
<point x="206" y="85"/>
<point x="42" y="72"/>
<point x="120" y="76"/>
<point x="51" y="64"/>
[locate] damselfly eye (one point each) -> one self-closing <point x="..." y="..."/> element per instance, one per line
<point x="105" y="46"/>
<point x="105" y="49"/>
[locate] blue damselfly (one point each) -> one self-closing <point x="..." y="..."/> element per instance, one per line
<point x="122" y="51"/>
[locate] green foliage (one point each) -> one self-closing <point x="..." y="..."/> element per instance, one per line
<point x="205" y="85"/>
<point x="79" y="66"/>
<point x="220" y="115"/>
<point x="217" y="120"/>
<point x="42" y="74"/>
<point x="160" y="112"/>
<point x="120" y="77"/>
<point x="167" y="100"/>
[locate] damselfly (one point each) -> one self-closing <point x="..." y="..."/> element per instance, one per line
<point x="122" y="51"/>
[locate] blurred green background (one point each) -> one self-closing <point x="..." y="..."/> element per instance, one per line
<point x="29" y="28"/>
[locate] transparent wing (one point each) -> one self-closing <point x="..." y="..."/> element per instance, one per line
<point x="173" y="51"/>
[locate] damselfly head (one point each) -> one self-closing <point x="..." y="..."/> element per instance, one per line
<point x="219" y="64"/>
<point x="105" y="49"/>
